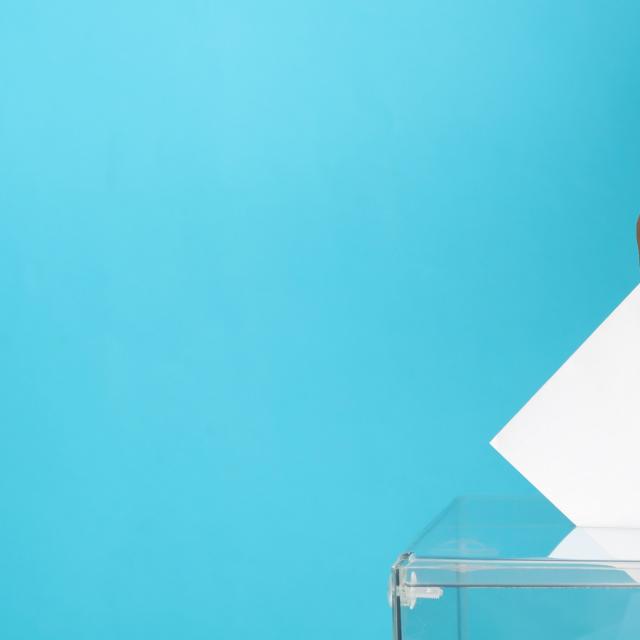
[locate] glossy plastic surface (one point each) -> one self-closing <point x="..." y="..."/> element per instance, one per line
<point x="516" y="568"/>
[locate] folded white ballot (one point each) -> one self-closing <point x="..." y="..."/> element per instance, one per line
<point x="604" y="544"/>
<point x="578" y="439"/>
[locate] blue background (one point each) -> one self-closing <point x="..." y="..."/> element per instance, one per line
<point x="272" y="275"/>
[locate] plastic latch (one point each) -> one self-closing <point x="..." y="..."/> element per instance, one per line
<point x="411" y="592"/>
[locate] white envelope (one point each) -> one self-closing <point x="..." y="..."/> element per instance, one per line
<point x="578" y="439"/>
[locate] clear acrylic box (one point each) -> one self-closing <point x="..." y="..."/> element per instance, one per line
<point x="482" y="571"/>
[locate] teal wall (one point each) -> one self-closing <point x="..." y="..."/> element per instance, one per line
<point x="272" y="275"/>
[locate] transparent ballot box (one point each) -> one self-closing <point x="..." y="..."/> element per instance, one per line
<point x="494" y="569"/>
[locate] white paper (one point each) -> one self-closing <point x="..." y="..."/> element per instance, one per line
<point x="601" y="544"/>
<point x="578" y="439"/>
<point x="596" y="543"/>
